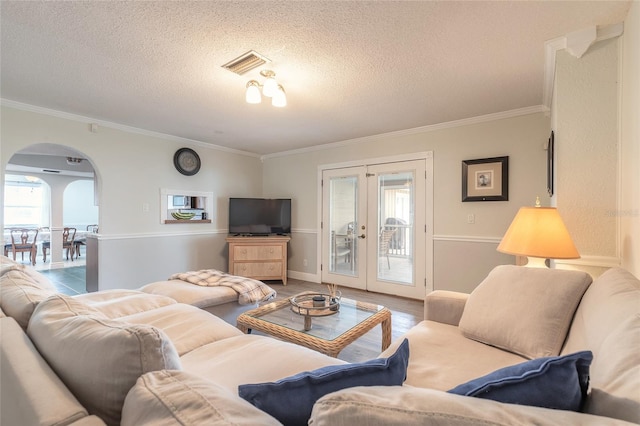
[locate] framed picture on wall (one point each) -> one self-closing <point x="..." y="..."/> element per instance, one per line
<point x="550" y="148"/>
<point x="485" y="179"/>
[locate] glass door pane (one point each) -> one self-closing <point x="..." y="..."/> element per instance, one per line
<point x="396" y="241"/>
<point x="343" y="227"/>
<point x="343" y="217"/>
<point x="395" y="227"/>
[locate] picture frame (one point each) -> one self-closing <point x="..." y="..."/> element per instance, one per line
<point x="485" y="179"/>
<point x="550" y="164"/>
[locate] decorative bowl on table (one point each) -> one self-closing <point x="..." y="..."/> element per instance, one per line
<point x="316" y="304"/>
<point x="310" y="304"/>
<point x="182" y="216"/>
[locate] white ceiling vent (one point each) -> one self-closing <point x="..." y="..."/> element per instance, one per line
<point x="246" y="62"/>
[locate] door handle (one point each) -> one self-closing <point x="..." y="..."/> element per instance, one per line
<point x="362" y="236"/>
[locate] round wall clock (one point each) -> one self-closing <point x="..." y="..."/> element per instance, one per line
<point x="186" y="161"/>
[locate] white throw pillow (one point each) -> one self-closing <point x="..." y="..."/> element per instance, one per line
<point x="526" y="311"/>
<point x="99" y="359"/>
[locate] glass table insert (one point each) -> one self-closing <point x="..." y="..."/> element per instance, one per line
<point x="328" y="334"/>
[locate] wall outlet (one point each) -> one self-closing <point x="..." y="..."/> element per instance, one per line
<point x="145" y="207"/>
<point x="471" y="218"/>
<point x="305" y="262"/>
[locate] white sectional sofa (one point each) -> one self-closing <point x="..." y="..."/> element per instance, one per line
<point x="132" y="358"/>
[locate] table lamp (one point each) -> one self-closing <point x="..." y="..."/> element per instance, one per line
<point x="538" y="233"/>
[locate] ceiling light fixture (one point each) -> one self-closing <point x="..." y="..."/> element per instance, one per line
<point x="270" y="89"/>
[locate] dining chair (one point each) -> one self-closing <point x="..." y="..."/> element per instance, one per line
<point x="68" y="243"/>
<point x="383" y="247"/>
<point x="23" y="240"/>
<point x="341" y="247"/>
<point x="83" y="241"/>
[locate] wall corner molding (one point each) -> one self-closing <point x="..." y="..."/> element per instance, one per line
<point x="577" y="43"/>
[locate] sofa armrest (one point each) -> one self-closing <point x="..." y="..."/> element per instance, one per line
<point x="445" y="306"/>
<point x="403" y="405"/>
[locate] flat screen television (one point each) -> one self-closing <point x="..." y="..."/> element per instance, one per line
<point x="259" y="216"/>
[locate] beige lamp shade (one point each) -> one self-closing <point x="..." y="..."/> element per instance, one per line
<point x="538" y="232"/>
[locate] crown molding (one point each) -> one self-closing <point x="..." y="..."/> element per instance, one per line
<point x="416" y="130"/>
<point x="130" y="129"/>
<point x="423" y="129"/>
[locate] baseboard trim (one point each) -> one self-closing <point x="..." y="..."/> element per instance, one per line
<point x="304" y="276"/>
<point x="597" y="261"/>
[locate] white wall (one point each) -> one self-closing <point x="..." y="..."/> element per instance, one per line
<point x="463" y="253"/>
<point x="630" y="143"/>
<point x="134" y="247"/>
<point x="595" y="116"/>
<point x="79" y="210"/>
<point x="586" y="137"/>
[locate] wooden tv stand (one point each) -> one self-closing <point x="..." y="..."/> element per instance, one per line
<point x="261" y="258"/>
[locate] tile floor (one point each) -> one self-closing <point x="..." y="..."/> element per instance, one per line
<point x="69" y="280"/>
<point x="69" y="277"/>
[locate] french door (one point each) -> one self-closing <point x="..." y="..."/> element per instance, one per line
<point x="373" y="227"/>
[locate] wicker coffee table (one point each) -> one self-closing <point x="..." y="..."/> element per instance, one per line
<point x="328" y="334"/>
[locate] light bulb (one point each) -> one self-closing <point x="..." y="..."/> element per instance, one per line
<point x="270" y="87"/>
<point x="279" y="98"/>
<point x="253" y="92"/>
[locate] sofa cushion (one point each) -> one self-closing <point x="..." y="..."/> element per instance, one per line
<point x="195" y="295"/>
<point x="119" y="303"/>
<point x="170" y="397"/>
<point x="99" y="359"/>
<point x="291" y="399"/>
<point x="441" y="357"/>
<point x="553" y="382"/>
<point x="607" y="322"/>
<point x="20" y="293"/>
<point x="39" y="279"/>
<point x="252" y="358"/>
<point x="31" y="392"/>
<point x="7" y="264"/>
<point x="406" y="405"/>
<point x="524" y="310"/>
<point x="188" y="327"/>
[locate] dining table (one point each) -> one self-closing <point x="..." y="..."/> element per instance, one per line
<point x="45" y="236"/>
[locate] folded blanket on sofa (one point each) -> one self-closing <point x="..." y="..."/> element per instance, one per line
<point x="249" y="291"/>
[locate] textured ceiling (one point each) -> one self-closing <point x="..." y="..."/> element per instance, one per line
<point x="350" y="69"/>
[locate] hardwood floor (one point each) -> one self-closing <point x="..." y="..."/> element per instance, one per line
<point x="405" y="314"/>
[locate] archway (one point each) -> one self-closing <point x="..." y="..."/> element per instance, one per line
<point x="71" y="180"/>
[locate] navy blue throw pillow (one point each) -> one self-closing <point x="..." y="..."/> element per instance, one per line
<point x="559" y="382"/>
<point x="290" y="400"/>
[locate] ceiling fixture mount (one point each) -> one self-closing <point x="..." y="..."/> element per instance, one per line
<point x="270" y="89"/>
<point x="74" y="161"/>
